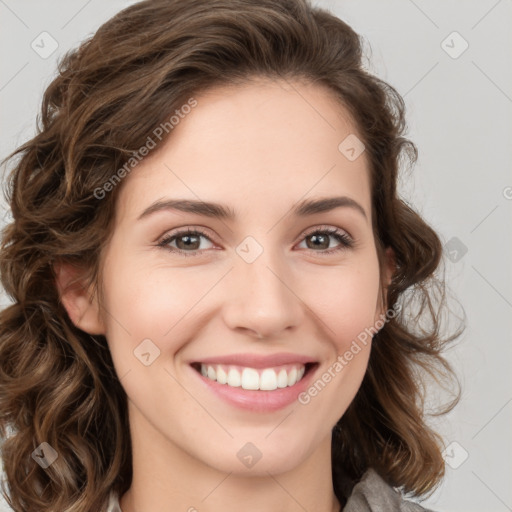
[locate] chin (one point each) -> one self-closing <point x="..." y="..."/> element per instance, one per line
<point x="258" y="458"/>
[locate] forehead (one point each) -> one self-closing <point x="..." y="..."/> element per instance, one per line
<point x="255" y="147"/>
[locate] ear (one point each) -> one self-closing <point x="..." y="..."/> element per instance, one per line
<point x="388" y="269"/>
<point x="76" y="297"/>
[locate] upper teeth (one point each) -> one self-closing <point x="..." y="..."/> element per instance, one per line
<point x="249" y="378"/>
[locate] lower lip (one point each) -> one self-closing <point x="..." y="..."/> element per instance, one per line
<point x="257" y="400"/>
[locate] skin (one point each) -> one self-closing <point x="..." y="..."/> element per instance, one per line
<point x="258" y="148"/>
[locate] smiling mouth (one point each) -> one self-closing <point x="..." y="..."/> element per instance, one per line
<point x="263" y="379"/>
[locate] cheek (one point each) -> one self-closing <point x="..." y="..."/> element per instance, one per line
<point x="147" y="314"/>
<point x="150" y="303"/>
<point x="345" y="299"/>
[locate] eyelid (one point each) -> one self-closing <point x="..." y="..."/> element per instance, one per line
<point x="188" y="227"/>
<point x="322" y="227"/>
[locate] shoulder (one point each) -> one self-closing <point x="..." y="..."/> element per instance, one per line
<point x="373" y="494"/>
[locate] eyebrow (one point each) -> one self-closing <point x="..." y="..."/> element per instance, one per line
<point x="219" y="211"/>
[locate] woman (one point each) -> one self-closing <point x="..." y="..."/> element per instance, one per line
<point x="219" y="300"/>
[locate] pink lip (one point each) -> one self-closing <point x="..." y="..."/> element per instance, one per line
<point x="258" y="361"/>
<point x="257" y="400"/>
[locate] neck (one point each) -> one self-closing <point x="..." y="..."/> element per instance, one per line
<point x="167" y="478"/>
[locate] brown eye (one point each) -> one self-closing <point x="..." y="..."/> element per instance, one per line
<point x="188" y="242"/>
<point x="320" y="240"/>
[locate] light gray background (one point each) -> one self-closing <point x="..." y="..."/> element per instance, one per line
<point x="460" y="117"/>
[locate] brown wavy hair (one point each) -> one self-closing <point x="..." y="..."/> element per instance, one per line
<point x="58" y="383"/>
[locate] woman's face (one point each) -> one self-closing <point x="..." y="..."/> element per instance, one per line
<point x="253" y="296"/>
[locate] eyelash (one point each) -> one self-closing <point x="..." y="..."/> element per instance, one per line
<point x="346" y="241"/>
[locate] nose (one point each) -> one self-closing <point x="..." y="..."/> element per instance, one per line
<point x="260" y="298"/>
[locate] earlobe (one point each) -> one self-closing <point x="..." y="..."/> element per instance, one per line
<point x="76" y="297"/>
